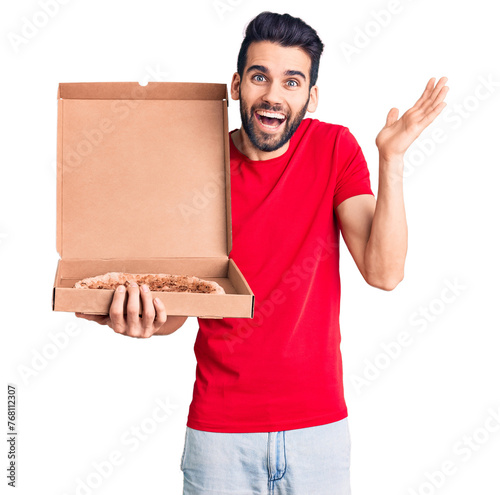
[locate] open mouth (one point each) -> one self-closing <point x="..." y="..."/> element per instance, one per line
<point x="270" y="120"/>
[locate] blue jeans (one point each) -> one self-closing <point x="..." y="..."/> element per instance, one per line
<point x="305" y="461"/>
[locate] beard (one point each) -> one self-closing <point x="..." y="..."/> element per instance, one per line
<point x="262" y="140"/>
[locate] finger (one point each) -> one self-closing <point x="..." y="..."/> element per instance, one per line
<point x="438" y="87"/>
<point x="161" y="314"/>
<point x="133" y="322"/>
<point x="392" y="116"/>
<point x="160" y="319"/>
<point x="148" y="310"/>
<point x="428" y="108"/>
<point x="429" y="117"/>
<point x="116" y="310"/>
<point x="440" y="96"/>
<point x="426" y="93"/>
<point x="436" y="92"/>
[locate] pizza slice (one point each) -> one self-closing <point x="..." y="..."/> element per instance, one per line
<point x="162" y="282"/>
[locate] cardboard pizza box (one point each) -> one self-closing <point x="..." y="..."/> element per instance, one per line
<point x="143" y="186"/>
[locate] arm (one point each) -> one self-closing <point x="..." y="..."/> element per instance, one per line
<point x="172" y="324"/>
<point x="375" y="231"/>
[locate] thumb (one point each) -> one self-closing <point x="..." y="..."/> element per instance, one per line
<point x="392" y="116"/>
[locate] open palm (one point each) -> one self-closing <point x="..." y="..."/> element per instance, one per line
<point x="398" y="134"/>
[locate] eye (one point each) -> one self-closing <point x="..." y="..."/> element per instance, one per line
<point x="293" y="83"/>
<point x="259" y="75"/>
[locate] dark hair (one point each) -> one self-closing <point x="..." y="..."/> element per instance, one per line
<point x="287" y="31"/>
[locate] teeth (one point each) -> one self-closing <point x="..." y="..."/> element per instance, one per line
<point x="271" y="114"/>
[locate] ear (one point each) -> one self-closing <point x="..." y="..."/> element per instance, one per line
<point x="313" y="99"/>
<point x="235" y="86"/>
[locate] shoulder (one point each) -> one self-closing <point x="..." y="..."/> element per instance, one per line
<point x="318" y="129"/>
<point x="332" y="141"/>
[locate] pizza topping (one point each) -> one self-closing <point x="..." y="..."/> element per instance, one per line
<point x="156" y="282"/>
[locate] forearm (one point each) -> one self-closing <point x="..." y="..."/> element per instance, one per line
<point x="172" y="324"/>
<point x="388" y="242"/>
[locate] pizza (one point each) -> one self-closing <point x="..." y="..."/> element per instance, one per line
<point x="162" y="282"/>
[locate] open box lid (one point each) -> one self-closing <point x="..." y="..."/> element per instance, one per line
<point x="143" y="171"/>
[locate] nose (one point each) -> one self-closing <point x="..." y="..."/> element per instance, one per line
<point x="273" y="95"/>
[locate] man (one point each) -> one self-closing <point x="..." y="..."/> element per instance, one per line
<point x="268" y="413"/>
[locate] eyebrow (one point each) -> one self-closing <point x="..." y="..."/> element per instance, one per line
<point x="264" y="69"/>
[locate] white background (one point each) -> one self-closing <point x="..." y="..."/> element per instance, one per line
<point x="416" y="409"/>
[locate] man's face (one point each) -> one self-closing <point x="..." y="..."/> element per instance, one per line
<point x="274" y="93"/>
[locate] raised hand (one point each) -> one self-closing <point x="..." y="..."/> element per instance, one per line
<point x="398" y="134"/>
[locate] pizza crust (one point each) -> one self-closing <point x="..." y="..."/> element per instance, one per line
<point x="162" y="282"/>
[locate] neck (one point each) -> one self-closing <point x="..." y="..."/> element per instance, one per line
<point x="246" y="147"/>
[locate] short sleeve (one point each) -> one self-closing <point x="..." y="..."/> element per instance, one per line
<point x="353" y="176"/>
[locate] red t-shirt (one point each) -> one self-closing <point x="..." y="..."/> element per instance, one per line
<point x="282" y="369"/>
